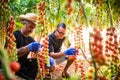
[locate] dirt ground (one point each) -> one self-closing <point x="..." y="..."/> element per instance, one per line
<point x="57" y="74"/>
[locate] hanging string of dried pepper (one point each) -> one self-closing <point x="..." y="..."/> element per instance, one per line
<point x="43" y="32"/>
<point x="78" y="39"/>
<point x="99" y="14"/>
<point x="11" y="45"/>
<point x="45" y="52"/>
<point x="70" y="7"/>
<point x="4" y="14"/>
<point x="76" y="45"/>
<point x="81" y="36"/>
<point x="80" y="11"/>
<point x="97" y="46"/>
<point x="108" y="45"/>
<point x="41" y="28"/>
<point x="41" y="65"/>
<point x="43" y="58"/>
<point x="111" y="50"/>
<point x="82" y="71"/>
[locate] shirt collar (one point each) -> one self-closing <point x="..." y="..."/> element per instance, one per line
<point x="53" y="35"/>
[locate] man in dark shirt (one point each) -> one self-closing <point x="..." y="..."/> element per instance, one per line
<point x="56" y="40"/>
<point x="25" y="44"/>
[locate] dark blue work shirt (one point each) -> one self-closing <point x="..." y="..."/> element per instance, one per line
<point x="55" y="45"/>
<point x="28" y="68"/>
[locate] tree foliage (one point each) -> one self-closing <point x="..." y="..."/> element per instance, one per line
<point x="56" y="10"/>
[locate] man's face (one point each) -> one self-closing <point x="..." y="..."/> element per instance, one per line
<point x="29" y="27"/>
<point x="60" y="33"/>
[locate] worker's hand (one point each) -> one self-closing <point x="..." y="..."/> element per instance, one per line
<point x="52" y="61"/>
<point x="34" y="46"/>
<point x="70" y="51"/>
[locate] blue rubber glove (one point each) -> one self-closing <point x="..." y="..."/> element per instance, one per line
<point x="52" y="61"/>
<point x="70" y="51"/>
<point x="34" y="46"/>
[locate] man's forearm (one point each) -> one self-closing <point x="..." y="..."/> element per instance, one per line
<point x="22" y="51"/>
<point x="56" y="55"/>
